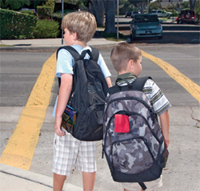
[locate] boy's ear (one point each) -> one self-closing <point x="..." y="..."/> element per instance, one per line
<point x="74" y="34"/>
<point x="131" y="64"/>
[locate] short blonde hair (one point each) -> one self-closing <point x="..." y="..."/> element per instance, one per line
<point x="83" y="23"/>
<point x="122" y="53"/>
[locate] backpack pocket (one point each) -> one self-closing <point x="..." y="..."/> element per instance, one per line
<point x="89" y="125"/>
<point x="122" y="123"/>
<point x="131" y="156"/>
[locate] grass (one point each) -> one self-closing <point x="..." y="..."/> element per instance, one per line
<point x="111" y="36"/>
<point x="4" y="45"/>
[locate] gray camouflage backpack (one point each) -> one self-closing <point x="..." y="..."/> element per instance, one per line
<point x="133" y="142"/>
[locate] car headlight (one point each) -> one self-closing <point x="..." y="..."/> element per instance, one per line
<point x="135" y="27"/>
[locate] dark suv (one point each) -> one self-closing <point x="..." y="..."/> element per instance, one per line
<point x="187" y="16"/>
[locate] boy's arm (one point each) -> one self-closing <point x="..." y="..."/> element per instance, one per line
<point x="63" y="97"/>
<point x="108" y="80"/>
<point x="164" y="122"/>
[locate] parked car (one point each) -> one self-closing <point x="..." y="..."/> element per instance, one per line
<point x="27" y="9"/>
<point x="134" y="13"/>
<point x="145" y="25"/>
<point x="187" y="16"/>
<point x="130" y="13"/>
<point x="160" y="13"/>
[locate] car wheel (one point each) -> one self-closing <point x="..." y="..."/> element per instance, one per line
<point x="128" y="40"/>
<point x="187" y="15"/>
<point x="132" y="36"/>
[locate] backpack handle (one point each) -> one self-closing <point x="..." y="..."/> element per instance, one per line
<point x="86" y="52"/>
<point x="130" y="85"/>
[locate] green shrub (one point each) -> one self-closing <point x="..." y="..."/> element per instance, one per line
<point x="46" y="29"/>
<point x="16" y="25"/>
<point x="44" y="12"/>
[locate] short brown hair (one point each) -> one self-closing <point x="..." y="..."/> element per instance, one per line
<point x="122" y="53"/>
<point x="83" y="23"/>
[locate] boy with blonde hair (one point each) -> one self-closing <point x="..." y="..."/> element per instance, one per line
<point x="79" y="28"/>
<point x="127" y="61"/>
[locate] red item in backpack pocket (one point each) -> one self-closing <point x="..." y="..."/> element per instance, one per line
<point x="122" y="123"/>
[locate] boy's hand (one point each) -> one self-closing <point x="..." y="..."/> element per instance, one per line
<point x="166" y="140"/>
<point x="57" y="127"/>
<point x="164" y="121"/>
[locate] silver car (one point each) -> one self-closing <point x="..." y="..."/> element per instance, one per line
<point x="146" y="25"/>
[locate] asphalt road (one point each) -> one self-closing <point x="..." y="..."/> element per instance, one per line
<point x="19" y="71"/>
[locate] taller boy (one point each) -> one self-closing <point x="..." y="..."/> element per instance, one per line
<point x="79" y="28"/>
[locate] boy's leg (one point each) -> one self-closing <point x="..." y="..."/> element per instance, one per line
<point x="58" y="181"/>
<point x="88" y="180"/>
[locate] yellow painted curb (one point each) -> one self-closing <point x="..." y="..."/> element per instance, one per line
<point x="21" y="145"/>
<point x="185" y="82"/>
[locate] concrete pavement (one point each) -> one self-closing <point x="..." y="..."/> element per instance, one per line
<point x="46" y="43"/>
<point x="181" y="174"/>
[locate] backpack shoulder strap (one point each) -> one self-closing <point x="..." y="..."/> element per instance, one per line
<point x="72" y="51"/>
<point x="138" y="84"/>
<point x="95" y="54"/>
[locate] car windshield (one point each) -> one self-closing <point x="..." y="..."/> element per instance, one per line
<point x="145" y="18"/>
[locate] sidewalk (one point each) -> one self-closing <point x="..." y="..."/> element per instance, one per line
<point x="47" y="43"/>
<point x="15" y="179"/>
<point x="181" y="174"/>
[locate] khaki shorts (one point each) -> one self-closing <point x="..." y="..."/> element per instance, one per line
<point x="71" y="153"/>
<point x="151" y="186"/>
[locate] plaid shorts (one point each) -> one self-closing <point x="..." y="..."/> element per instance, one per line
<point x="71" y="153"/>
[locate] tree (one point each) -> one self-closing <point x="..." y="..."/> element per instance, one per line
<point x="38" y="2"/>
<point x="192" y="4"/>
<point x="139" y="4"/>
<point x="96" y="7"/>
<point x="15" y="5"/>
<point x="110" y="7"/>
<point x="154" y="5"/>
<point x="197" y="9"/>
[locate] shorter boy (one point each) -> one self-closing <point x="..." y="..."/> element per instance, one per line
<point x="127" y="61"/>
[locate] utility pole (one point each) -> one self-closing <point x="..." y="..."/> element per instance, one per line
<point x="117" y="19"/>
<point x="147" y="6"/>
<point x="62" y="18"/>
